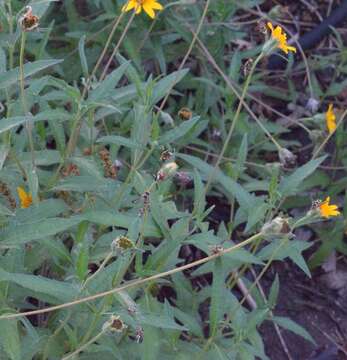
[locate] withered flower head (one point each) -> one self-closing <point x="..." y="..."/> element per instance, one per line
<point x="286" y="157"/>
<point x="247" y="66"/>
<point x="114" y="324"/>
<point x="28" y="21"/>
<point x="185" y="114"/>
<point x="122" y="243"/>
<point x="167" y="170"/>
<point x="276" y="227"/>
<point x="166" y="155"/>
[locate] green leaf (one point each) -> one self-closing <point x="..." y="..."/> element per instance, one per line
<point x="83" y="59"/>
<point x="23" y="233"/>
<point x="86" y="183"/>
<point x="290" y="325"/>
<point x="104" y="89"/>
<point x="43" y="210"/>
<point x="161" y="321"/>
<point x="119" y="140"/>
<point x="40" y="6"/>
<point x="274" y="291"/>
<point x="59" y="290"/>
<point x="11" y="77"/>
<point x="166" y="84"/>
<point x="7" y="124"/>
<point x="179" y="131"/>
<point x="9" y="339"/>
<point x="289" y="185"/>
<point x="5" y="211"/>
<point x="120" y="220"/>
<point x="245" y="199"/>
<point x="199" y="195"/>
<point x="241" y="159"/>
<point x="216" y="296"/>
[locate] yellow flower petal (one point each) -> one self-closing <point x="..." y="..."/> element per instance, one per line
<point x="281" y="38"/>
<point x="157" y="6"/>
<point x="330" y="119"/>
<point x="131" y="4"/>
<point x="327" y="210"/>
<point x="149" y="10"/>
<point x="25" y="198"/>
<point x="138" y="9"/>
<point x="147" y="5"/>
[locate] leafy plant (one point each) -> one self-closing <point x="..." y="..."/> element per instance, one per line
<point x="127" y="135"/>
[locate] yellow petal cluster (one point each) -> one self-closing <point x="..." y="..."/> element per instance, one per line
<point x="327" y="210"/>
<point x="281" y="38"/>
<point x="24" y="197"/>
<point x="147" y="5"/>
<point x="330" y="119"/>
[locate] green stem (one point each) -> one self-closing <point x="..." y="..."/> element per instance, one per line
<point x="233" y="125"/>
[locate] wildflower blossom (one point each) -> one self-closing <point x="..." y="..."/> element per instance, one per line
<point x="147" y="5"/>
<point x="281" y="38"/>
<point x="24" y="197"/>
<point x="330" y="119"/>
<point x="327" y="210"/>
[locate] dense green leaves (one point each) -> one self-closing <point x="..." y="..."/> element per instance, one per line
<point x="131" y="176"/>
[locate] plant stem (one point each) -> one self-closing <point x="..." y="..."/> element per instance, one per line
<point x="138" y="282"/>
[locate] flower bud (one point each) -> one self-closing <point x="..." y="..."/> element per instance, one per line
<point x="122" y="244"/>
<point x="277" y="227"/>
<point x="286" y="157"/>
<point x="166" y="171"/>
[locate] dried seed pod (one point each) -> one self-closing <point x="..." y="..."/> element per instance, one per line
<point x="166" y="171"/>
<point x="114" y="324"/>
<point x="276" y="227"/>
<point x="247" y="66"/>
<point x="185" y="114"/>
<point x="166" y="155"/>
<point x="216" y="249"/>
<point x="139" y="334"/>
<point x="6" y="192"/>
<point x="122" y="244"/>
<point x="110" y="169"/>
<point x="312" y="105"/>
<point x="287" y="158"/>
<point x="261" y="27"/>
<point x="28" y="21"/>
<point x="70" y="170"/>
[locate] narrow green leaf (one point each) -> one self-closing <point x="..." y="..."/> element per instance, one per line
<point x="83" y="59"/>
<point x="119" y="140"/>
<point x="289" y="185"/>
<point x="24" y="233"/>
<point x="216" y="296"/>
<point x="179" y="131"/>
<point x="104" y="89"/>
<point x="7" y="124"/>
<point x="11" y="77"/>
<point x="245" y="199"/>
<point x="59" y="290"/>
<point x="274" y="291"/>
<point x="290" y="325"/>
<point x="10" y="339"/>
<point x="164" y="85"/>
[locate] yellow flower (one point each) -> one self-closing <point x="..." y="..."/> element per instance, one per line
<point x="25" y="198"/>
<point x="147" y="5"/>
<point x="327" y="210"/>
<point x="281" y="38"/>
<point x="330" y="119"/>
